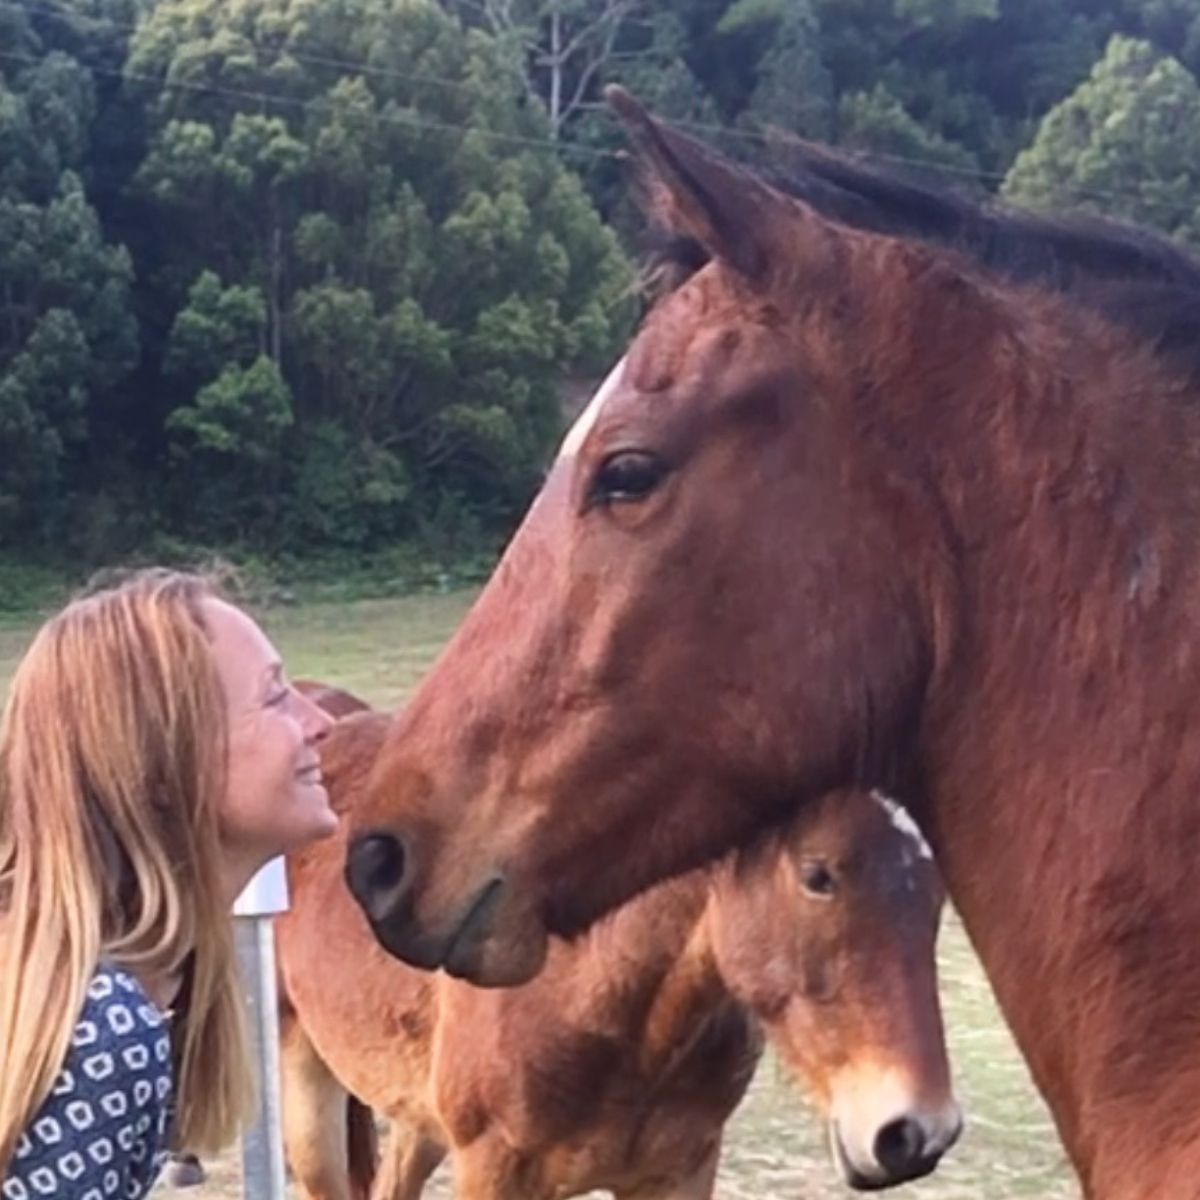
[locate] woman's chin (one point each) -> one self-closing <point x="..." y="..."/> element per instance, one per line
<point x="318" y="820"/>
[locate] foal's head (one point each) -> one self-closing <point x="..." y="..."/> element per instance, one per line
<point x="828" y="934"/>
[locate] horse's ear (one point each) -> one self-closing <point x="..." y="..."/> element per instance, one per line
<point x="696" y="192"/>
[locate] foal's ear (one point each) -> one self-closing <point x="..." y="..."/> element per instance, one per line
<point x="697" y="192"/>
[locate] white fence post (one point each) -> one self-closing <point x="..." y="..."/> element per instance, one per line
<point x="263" y="1176"/>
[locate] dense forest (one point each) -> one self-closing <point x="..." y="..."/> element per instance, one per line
<point x="313" y="277"/>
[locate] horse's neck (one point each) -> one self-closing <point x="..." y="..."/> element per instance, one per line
<point x="1097" y="972"/>
<point x="1064" y="805"/>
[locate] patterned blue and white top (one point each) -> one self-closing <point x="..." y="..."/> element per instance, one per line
<point x="102" y="1131"/>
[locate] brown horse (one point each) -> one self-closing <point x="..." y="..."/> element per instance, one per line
<point x="619" y="1065"/>
<point x="851" y="511"/>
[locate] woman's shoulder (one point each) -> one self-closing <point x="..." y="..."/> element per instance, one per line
<point x="120" y="1054"/>
<point x="103" y="1126"/>
<point x="117" y="1008"/>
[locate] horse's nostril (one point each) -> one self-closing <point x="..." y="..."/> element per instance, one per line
<point x="375" y="871"/>
<point x="899" y="1144"/>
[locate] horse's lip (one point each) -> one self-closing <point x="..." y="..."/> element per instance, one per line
<point x="481" y="906"/>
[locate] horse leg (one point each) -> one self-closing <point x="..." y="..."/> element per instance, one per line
<point x="316" y="1110"/>
<point x="408" y="1160"/>
<point x="698" y="1185"/>
<point x="490" y="1171"/>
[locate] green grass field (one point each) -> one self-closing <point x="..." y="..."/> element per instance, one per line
<point x="774" y="1148"/>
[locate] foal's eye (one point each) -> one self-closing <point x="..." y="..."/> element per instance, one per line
<point x="817" y="880"/>
<point x="627" y="475"/>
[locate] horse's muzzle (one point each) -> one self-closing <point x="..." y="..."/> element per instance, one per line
<point x="903" y="1150"/>
<point x="485" y="939"/>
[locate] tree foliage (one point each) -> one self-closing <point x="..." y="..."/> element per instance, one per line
<point x="1125" y="142"/>
<point x="313" y="273"/>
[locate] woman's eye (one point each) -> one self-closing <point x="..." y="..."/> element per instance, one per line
<point x="627" y="475"/>
<point x="277" y="699"/>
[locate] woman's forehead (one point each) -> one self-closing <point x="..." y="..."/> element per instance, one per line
<point x="243" y="652"/>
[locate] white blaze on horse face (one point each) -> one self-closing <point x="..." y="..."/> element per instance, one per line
<point x="578" y="432"/>
<point x="866" y="1100"/>
<point x="902" y="820"/>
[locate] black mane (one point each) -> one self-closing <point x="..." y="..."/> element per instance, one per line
<point x="1137" y="279"/>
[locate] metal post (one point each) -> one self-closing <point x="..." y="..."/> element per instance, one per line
<point x="263" y="1176"/>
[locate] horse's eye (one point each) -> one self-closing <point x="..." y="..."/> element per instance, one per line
<point x="817" y="880"/>
<point x="627" y="475"/>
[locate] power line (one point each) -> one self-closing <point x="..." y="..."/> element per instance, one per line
<point x="762" y="137"/>
<point x="308" y="106"/>
<point x="358" y="68"/>
<point x="766" y="137"/>
<point x="349" y="65"/>
<point x="743" y="135"/>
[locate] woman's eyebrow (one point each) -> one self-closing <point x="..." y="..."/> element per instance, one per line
<point x="272" y="674"/>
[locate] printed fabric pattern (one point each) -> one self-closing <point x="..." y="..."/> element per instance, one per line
<point x="102" y="1131"/>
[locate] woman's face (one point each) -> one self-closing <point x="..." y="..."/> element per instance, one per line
<point x="275" y="800"/>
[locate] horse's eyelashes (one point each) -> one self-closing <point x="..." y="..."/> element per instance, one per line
<point x="627" y="475"/>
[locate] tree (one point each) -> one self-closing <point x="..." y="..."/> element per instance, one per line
<point x="792" y="87"/>
<point x="367" y="240"/>
<point x="226" y="445"/>
<point x="565" y="51"/>
<point x="878" y="122"/>
<point x="561" y="49"/>
<point x="67" y="334"/>
<point x="1126" y="142"/>
<point x="354" y="201"/>
<point x="1172" y="26"/>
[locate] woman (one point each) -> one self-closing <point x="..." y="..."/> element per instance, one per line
<point x="153" y="757"/>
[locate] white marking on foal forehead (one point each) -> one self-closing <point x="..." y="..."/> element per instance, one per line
<point x="583" y="426"/>
<point x="901" y="818"/>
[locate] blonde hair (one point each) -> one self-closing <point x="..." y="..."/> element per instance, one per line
<point x="112" y="758"/>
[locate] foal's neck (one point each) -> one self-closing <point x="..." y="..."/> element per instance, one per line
<point x="1063" y="783"/>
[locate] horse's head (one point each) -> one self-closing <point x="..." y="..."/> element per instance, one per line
<point x="336" y="701"/>
<point x="729" y="596"/>
<point x="828" y="934"/>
